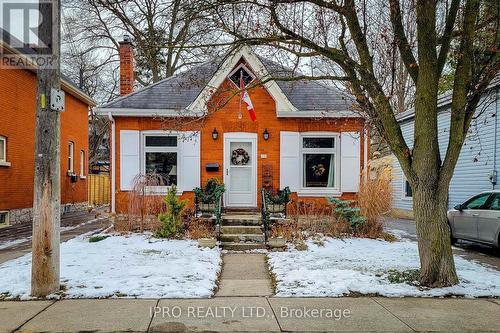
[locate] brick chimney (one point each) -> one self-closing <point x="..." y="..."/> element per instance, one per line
<point x="126" y="66"/>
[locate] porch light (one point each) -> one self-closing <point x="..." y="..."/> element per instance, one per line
<point x="265" y="134"/>
<point x="215" y="134"/>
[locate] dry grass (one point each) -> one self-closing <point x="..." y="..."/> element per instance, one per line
<point x="308" y="219"/>
<point x="199" y="227"/>
<point x="312" y="218"/>
<point x="375" y="201"/>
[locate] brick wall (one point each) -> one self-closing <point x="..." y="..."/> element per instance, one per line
<point x="225" y="119"/>
<point x="17" y="123"/>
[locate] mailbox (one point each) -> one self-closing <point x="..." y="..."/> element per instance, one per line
<point x="211" y="167"/>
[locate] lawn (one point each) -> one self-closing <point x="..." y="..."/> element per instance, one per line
<point x="339" y="267"/>
<point x="123" y="266"/>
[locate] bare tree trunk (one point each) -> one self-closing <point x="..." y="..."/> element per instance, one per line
<point x="430" y="204"/>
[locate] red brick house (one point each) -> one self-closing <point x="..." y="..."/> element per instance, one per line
<point x="17" y="144"/>
<point x="189" y="128"/>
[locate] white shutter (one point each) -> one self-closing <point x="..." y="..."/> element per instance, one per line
<point x="129" y="159"/>
<point x="290" y="160"/>
<point x="350" y="147"/>
<point x="189" y="144"/>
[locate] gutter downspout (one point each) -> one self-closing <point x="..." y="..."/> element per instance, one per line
<point x="113" y="162"/>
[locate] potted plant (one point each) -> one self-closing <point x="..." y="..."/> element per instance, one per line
<point x="207" y="198"/>
<point x="276" y="237"/>
<point x="276" y="203"/>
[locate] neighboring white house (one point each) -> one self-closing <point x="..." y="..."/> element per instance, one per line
<point x="478" y="163"/>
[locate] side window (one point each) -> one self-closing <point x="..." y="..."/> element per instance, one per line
<point x="82" y="163"/>
<point x="3" y="149"/>
<point x="408" y="191"/>
<point x="71" y="153"/>
<point x="477" y="202"/>
<point x="495" y="202"/>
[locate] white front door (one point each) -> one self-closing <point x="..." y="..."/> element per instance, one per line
<point x="240" y="169"/>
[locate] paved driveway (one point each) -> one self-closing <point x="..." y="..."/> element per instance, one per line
<point x="468" y="250"/>
<point x="15" y="240"/>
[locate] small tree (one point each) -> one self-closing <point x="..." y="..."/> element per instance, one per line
<point x="171" y="220"/>
<point x="142" y="205"/>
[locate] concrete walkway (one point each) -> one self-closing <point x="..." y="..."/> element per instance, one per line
<point x="244" y="274"/>
<point x="253" y="314"/>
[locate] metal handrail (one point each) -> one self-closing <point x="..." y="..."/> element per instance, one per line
<point x="218" y="216"/>
<point x="265" y="215"/>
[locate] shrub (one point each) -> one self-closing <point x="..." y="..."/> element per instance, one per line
<point x="171" y="220"/>
<point x="97" y="238"/>
<point x="345" y="212"/>
<point x="410" y="276"/>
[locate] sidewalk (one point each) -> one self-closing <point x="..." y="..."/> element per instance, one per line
<point x="257" y="314"/>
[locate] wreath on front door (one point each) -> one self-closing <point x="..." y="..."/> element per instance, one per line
<point x="240" y="157"/>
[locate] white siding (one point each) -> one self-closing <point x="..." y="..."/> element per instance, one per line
<point x="474" y="165"/>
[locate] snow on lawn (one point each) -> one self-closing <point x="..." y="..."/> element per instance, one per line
<point x="124" y="266"/>
<point x="360" y="265"/>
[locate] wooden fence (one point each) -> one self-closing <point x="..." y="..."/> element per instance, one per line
<point x="98" y="189"/>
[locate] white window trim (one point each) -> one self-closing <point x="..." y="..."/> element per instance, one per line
<point x="82" y="165"/>
<point x="318" y="191"/>
<point x="237" y="69"/>
<point x="154" y="190"/>
<point x="7" y="220"/>
<point x="403" y="190"/>
<point x="71" y="158"/>
<point x="3" y="162"/>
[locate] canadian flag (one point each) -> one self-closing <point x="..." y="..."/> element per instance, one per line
<point x="246" y="98"/>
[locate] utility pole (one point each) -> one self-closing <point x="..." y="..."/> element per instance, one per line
<point x="47" y="188"/>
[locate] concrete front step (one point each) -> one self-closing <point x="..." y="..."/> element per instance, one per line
<point x="242" y="229"/>
<point x="258" y="238"/>
<point x="241" y="220"/>
<point x="234" y="246"/>
<point x="254" y="223"/>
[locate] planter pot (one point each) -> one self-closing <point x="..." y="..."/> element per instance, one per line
<point x="273" y="209"/>
<point x="275" y="243"/>
<point x="207" y="208"/>
<point x="207" y="242"/>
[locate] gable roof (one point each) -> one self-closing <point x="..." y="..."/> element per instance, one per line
<point x="66" y="83"/>
<point x="187" y="93"/>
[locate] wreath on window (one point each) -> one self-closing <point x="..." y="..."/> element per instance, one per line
<point x="240" y="157"/>
<point x="318" y="170"/>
